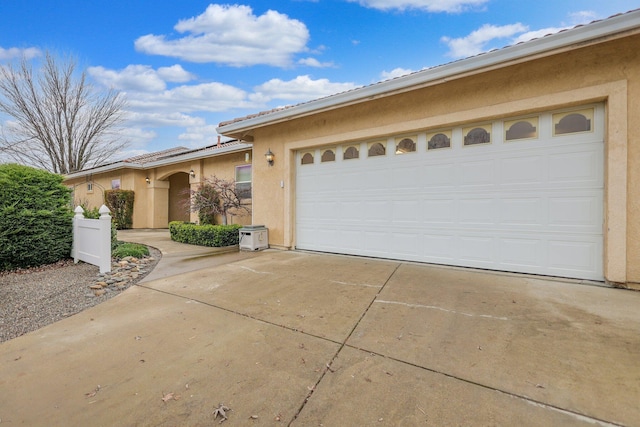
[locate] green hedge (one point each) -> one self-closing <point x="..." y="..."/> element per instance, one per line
<point x="36" y="225"/>
<point x="120" y="202"/>
<point x="205" y="235"/>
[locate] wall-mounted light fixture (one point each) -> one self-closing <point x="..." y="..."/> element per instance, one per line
<point x="192" y="174"/>
<point x="269" y="156"/>
<point x="148" y="180"/>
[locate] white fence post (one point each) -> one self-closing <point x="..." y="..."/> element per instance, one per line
<point x="92" y="239"/>
<point x="105" y="239"/>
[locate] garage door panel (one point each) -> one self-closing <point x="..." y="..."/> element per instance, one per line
<point x="574" y="211"/>
<point x="438" y="211"/>
<point x="477" y="173"/>
<point x="477" y="211"/>
<point x="532" y="206"/>
<point x="578" y="167"/>
<point x="377" y="211"/>
<point x="521" y="211"/>
<point x="439" y="175"/>
<point x="377" y="243"/>
<point x="406" y="243"/>
<point x="439" y="248"/>
<point x="521" y="252"/>
<point x="351" y="211"/>
<point x="519" y="170"/>
<point x="572" y="255"/>
<point x="477" y="248"/>
<point x="406" y="211"/>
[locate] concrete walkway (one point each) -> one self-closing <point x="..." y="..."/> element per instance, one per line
<point x="301" y="339"/>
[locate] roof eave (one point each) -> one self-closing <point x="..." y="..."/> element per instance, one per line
<point x="162" y="162"/>
<point x="595" y="32"/>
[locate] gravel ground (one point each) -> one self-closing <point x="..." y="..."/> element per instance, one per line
<point x="36" y="297"/>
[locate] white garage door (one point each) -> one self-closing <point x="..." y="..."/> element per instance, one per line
<point x="522" y="195"/>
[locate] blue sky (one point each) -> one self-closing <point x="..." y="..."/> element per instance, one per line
<point x="186" y="65"/>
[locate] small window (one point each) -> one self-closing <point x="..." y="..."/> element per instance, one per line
<point x="377" y="149"/>
<point x="90" y="187"/>
<point x="573" y="122"/>
<point x="328" y="156"/>
<point x="439" y="140"/>
<point x="477" y="135"/>
<point x="115" y="184"/>
<point x="307" y="159"/>
<point x="521" y="129"/>
<point x="351" y="152"/>
<point x="243" y="181"/>
<point x="405" y="145"/>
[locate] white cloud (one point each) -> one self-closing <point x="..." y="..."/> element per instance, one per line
<point x="200" y="135"/>
<point x="232" y="35"/>
<point x="134" y="77"/>
<point x="427" y="5"/>
<point x="313" y="62"/>
<point x="396" y="72"/>
<point x="175" y="74"/>
<point x="477" y="41"/>
<point x="536" y="34"/>
<point x="149" y="119"/>
<point x="583" y="17"/>
<point x="300" y="89"/>
<point x="139" y="77"/>
<point x="17" y="53"/>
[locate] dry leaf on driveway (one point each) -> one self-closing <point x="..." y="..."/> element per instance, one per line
<point x="169" y="396"/>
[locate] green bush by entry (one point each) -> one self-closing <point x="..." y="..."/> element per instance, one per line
<point x="35" y="217"/>
<point x="205" y="235"/>
<point x="129" y="249"/>
<point x="120" y="203"/>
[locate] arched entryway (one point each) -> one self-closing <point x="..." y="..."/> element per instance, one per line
<point x="179" y="197"/>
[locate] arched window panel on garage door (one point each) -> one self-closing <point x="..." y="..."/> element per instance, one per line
<point x="306" y="158"/>
<point x="477" y="135"/>
<point x="573" y="122"/>
<point x="439" y="140"/>
<point x="406" y="145"/>
<point x="351" y="152"/>
<point x="521" y="129"/>
<point x="377" y="148"/>
<point x="328" y="155"/>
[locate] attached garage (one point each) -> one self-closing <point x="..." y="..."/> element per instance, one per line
<point x="524" y="159"/>
<point x="520" y="194"/>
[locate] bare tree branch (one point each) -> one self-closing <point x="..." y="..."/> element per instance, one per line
<point x="59" y="122"/>
<point x="217" y="196"/>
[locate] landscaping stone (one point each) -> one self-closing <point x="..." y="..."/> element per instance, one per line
<point x="123" y="273"/>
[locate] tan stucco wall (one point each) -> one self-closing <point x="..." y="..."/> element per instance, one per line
<point x="155" y="202"/>
<point x="608" y="72"/>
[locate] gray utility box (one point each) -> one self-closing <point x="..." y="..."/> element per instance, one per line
<point x="254" y="237"/>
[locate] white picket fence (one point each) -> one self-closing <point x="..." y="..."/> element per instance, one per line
<point x="92" y="239"/>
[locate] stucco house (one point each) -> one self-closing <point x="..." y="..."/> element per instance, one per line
<point x="524" y="159"/>
<point x="161" y="181"/>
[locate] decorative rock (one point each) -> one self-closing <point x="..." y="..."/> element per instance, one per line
<point x="123" y="273"/>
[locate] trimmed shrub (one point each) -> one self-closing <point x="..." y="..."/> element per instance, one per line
<point x="35" y="217"/>
<point x="130" y="249"/>
<point x="120" y="202"/>
<point x="205" y="235"/>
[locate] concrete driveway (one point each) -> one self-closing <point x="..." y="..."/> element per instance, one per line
<point x="301" y="339"/>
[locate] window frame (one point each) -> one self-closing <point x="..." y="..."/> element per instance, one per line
<point x="241" y="193"/>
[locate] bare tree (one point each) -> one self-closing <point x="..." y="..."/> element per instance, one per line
<point x="217" y="196"/>
<point x="59" y="122"/>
